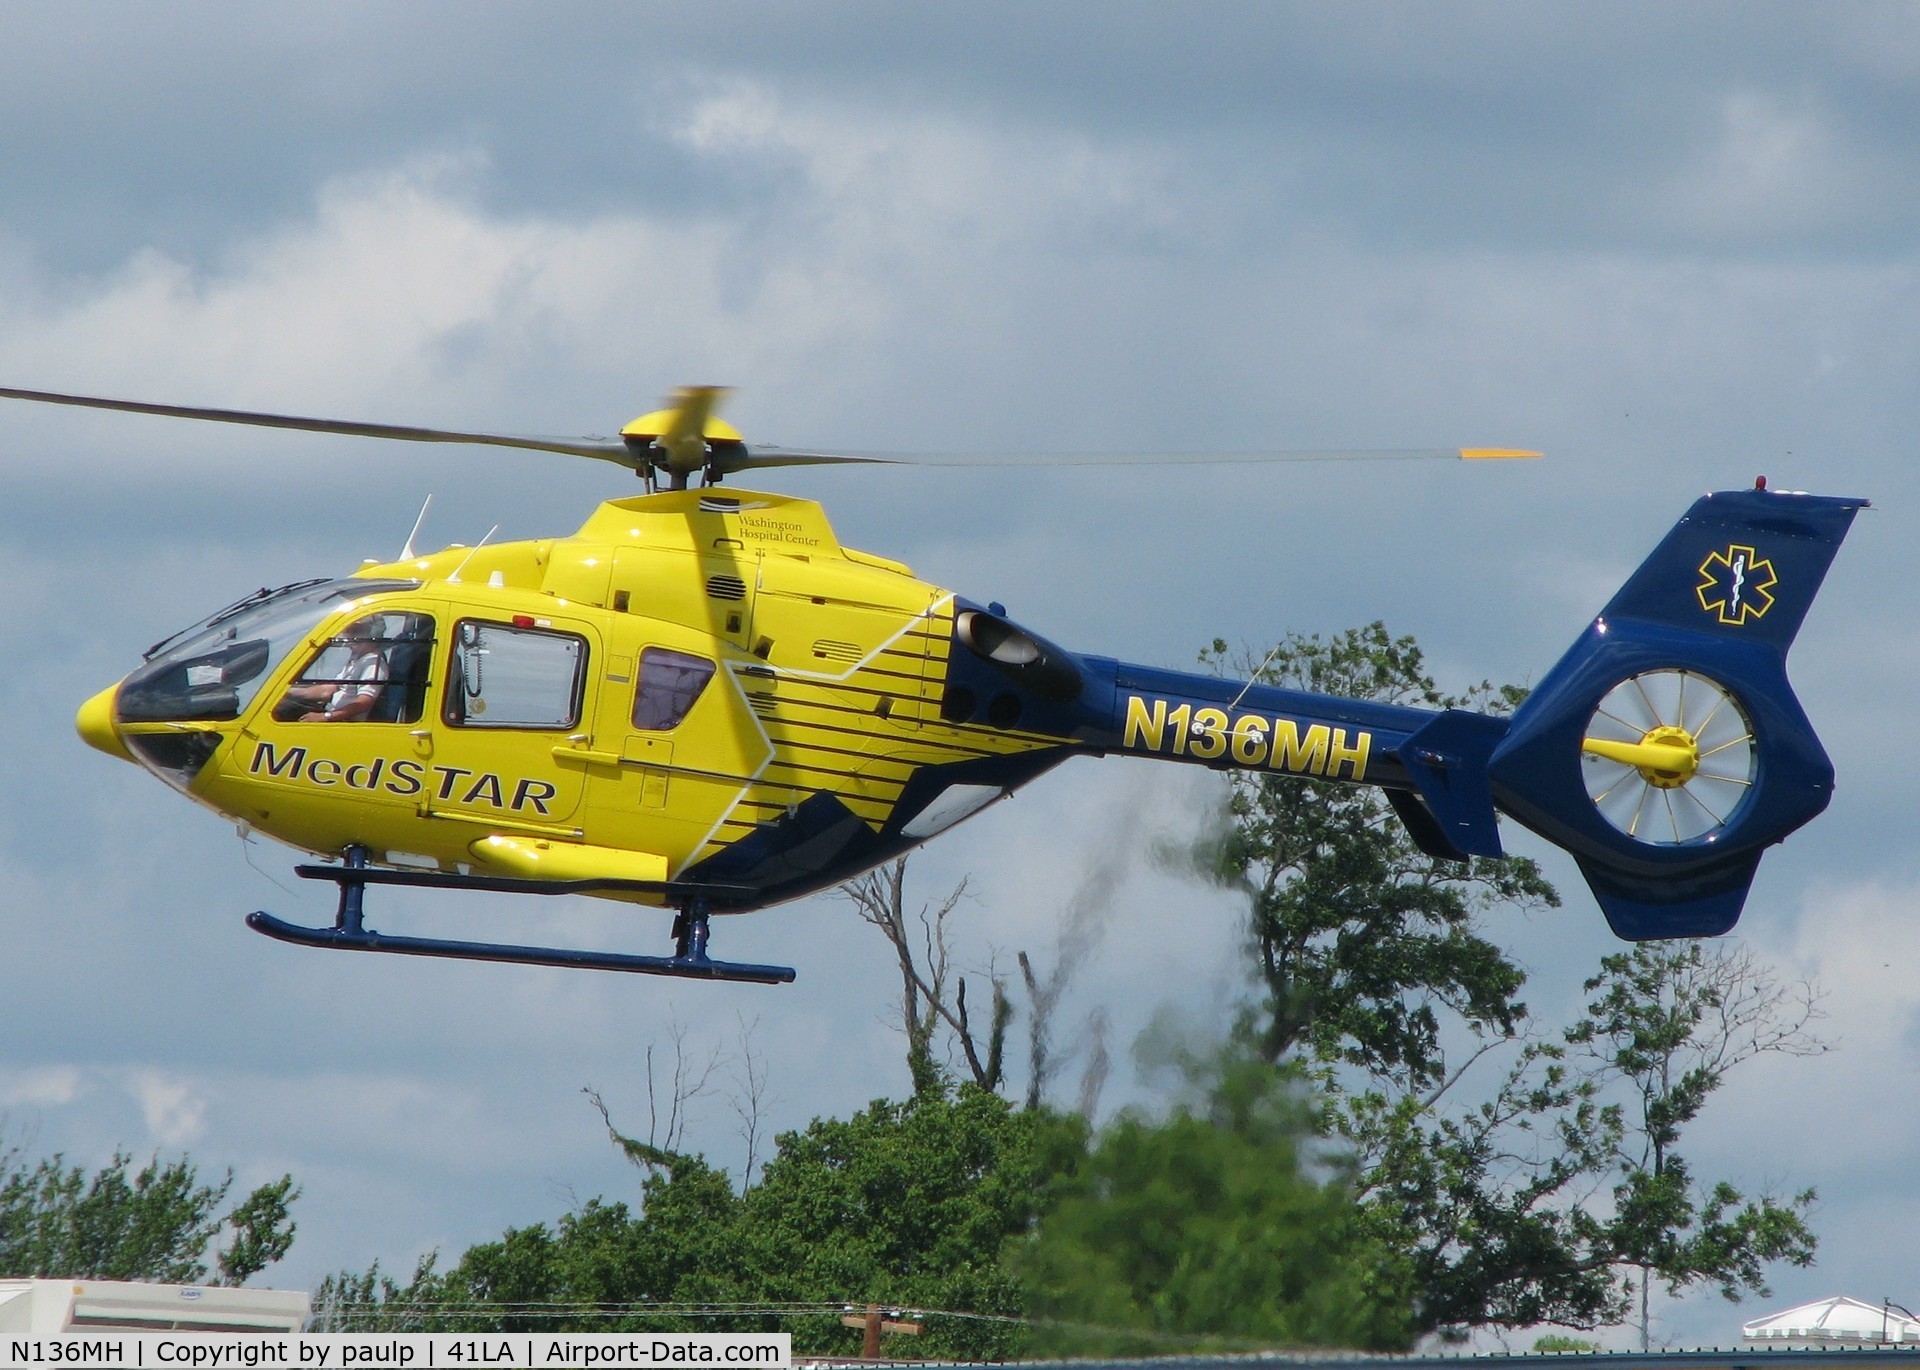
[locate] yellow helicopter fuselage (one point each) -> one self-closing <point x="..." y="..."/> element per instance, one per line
<point x="677" y="680"/>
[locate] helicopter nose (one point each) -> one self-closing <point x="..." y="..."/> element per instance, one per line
<point x="95" y="723"/>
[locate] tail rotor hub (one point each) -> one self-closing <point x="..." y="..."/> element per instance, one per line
<point x="1669" y="757"/>
<point x="1682" y="763"/>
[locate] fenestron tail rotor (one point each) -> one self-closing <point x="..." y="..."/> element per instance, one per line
<point x="1669" y="757"/>
<point x="688" y="437"/>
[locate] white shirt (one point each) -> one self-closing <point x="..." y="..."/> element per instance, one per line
<point x="362" y="678"/>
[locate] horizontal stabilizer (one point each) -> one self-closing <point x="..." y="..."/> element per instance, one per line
<point x="1423" y="827"/>
<point x="1447" y="761"/>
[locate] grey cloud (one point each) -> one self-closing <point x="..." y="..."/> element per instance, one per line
<point x="1480" y="124"/>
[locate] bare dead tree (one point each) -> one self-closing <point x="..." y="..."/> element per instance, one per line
<point x="690" y="1078"/>
<point x="920" y="945"/>
<point x="749" y="1097"/>
<point x="1080" y="929"/>
<point x="1041" y="998"/>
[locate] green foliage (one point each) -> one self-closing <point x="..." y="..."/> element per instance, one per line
<point x="59" y="1221"/>
<point x="1487" y="1202"/>
<point x="1361" y="939"/>
<point x="263" y="1227"/>
<point x="1217" y="1225"/>
<point x="1540" y="1202"/>
<point x="906" y="1204"/>
<point x="910" y="1204"/>
<point x="1556" y="1343"/>
<point x="1209" y="1229"/>
<point x="1668" y="1021"/>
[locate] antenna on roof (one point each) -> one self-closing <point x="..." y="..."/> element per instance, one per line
<point x="407" y="552"/>
<point x="470" y="555"/>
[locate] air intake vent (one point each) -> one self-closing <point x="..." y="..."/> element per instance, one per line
<point x="836" y="651"/>
<point x="726" y="587"/>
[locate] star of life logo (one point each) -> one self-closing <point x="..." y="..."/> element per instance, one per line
<point x="1736" y="586"/>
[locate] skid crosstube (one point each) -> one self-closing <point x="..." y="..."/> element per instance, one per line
<point x="350" y="933"/>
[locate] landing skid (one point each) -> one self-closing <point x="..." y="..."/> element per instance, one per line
<point x="350" y="933"/>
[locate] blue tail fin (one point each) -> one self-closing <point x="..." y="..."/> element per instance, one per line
<point x="1666" y="749"/>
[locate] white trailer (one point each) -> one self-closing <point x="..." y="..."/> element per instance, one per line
<point x="48" y="1307"/>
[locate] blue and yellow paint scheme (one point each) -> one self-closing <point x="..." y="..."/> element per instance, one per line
<point x="704" y="699"/>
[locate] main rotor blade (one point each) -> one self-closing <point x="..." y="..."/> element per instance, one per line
<point x="606" y="449"/>
<point x="767" y="455"/>
<point x="696" y="403"/>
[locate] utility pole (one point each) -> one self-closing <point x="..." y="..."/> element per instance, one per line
<point x="873" y="1322"/>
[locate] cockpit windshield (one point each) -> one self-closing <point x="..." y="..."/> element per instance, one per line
<point x="213" y="671"/>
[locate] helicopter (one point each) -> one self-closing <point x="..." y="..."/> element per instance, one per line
<point x="702" y="701"/>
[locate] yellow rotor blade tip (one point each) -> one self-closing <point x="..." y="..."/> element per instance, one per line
<point x="1496" y="453"/>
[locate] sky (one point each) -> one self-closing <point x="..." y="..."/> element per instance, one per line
<point x="1675" y="247"/>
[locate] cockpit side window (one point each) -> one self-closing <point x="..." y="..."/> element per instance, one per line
<point x="216" y="669"/>
<point x="374" y="670"/>
<point x="670" y="684"/>
<point x="502" y="676"/>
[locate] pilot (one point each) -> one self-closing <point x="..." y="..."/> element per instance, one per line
<point x="350" y="694"/>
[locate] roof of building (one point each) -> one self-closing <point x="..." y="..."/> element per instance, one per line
<point x="1837" y="1319"/>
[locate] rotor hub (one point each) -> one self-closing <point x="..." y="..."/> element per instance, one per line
<point x="1676" y="769"/>
<point x="1670" y="756"/>
<point x="1666" y="756"/>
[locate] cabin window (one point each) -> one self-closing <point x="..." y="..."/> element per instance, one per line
<point x="670" y="683"/>
<point x="373" y="670"/>
<point x="500" y="676"/>
<point x="218" y="667"/>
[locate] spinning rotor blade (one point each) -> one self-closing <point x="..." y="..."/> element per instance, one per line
<point x="607" y="449"/>
<point x="768" y="455"/>
<point x="682" y="440"/>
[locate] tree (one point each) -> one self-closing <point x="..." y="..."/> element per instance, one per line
<point x="1529" y="1203"/>
<point x="933" y="1000"/>
<point x="906" y="1204"/>
<point x="932" y="995"/>
<point x="1534" y="1205"/>
<point x="1361" y="940"/>
<point x="911" y="1204"/>
<point x="1222" y="1225"/>
<point x="263" y="1228"/>
<point x="1668" y="1022"/>
<point x="158" y="1223"/>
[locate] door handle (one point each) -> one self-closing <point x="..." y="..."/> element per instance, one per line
<point x="586" y="756"/>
